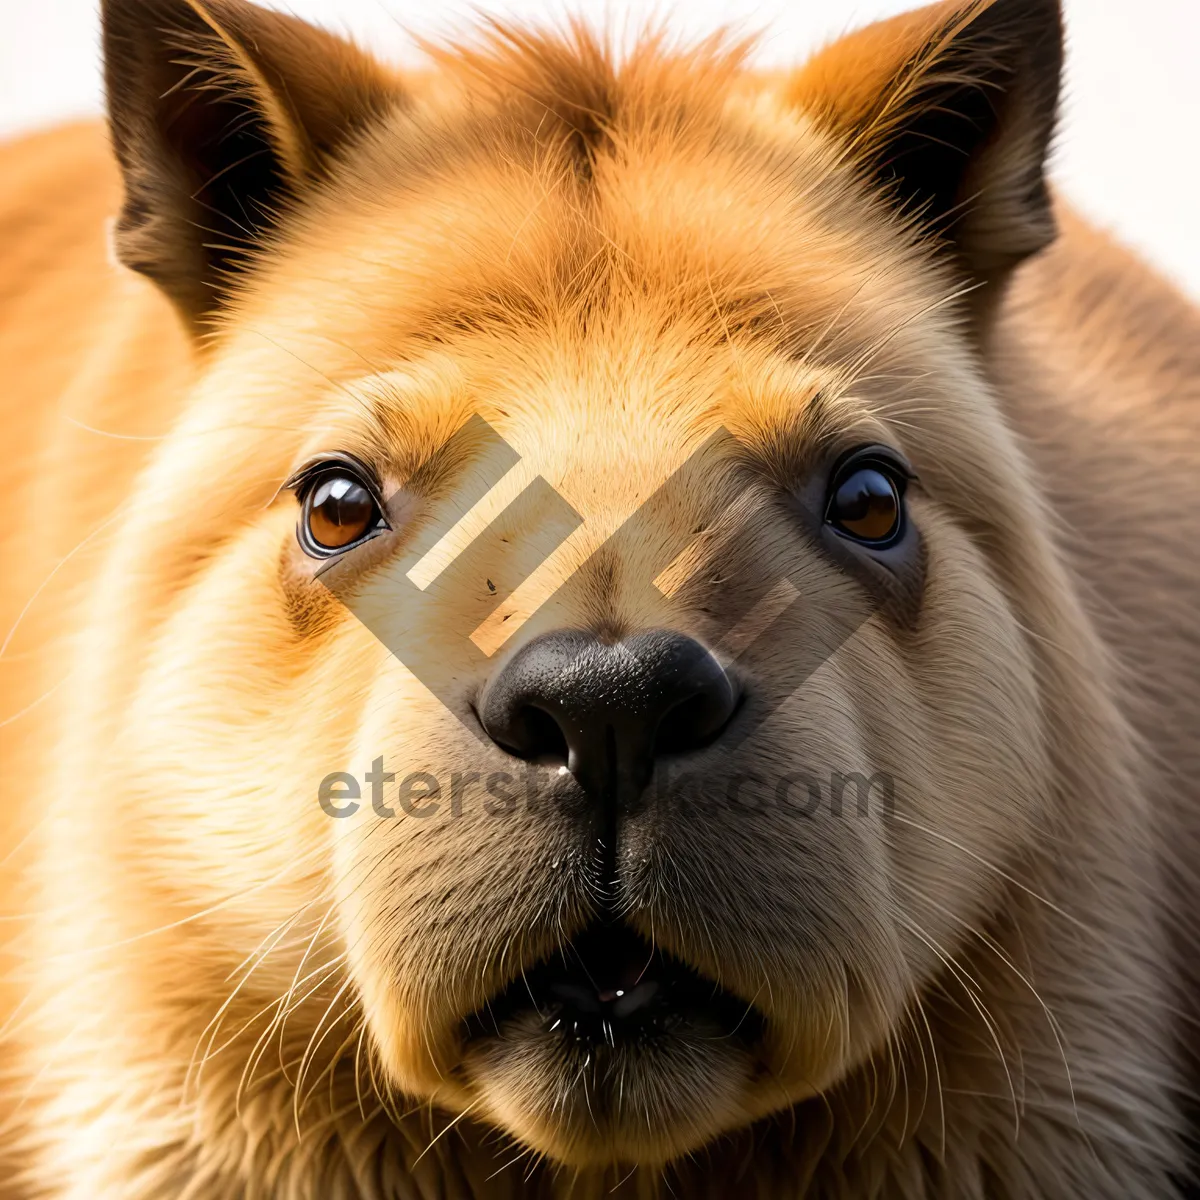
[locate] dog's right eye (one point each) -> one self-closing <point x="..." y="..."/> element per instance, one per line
<point x="338" y="510"/>
<point x="866" y="498"/>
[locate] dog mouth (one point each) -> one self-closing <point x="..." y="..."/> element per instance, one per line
<point x="609" y="988"/>
<point x="612" y="1051"/>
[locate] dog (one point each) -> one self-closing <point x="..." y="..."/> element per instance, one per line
<point x="591" y="621"/>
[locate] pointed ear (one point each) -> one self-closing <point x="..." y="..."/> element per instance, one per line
<point x="951" y="109"/>
<point x="221" y="114"/>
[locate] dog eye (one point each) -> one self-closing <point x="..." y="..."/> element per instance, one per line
<point x="866" y="500"/>
<point x="338" y="510"/>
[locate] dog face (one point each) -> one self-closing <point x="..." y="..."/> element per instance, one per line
<point x="587" y="590"/>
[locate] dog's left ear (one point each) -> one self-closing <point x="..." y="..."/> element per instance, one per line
<point x="222" y="114"/>
<point x="950" y="110"/>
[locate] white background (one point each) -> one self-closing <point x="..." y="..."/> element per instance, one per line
<point x="1128" y="151"/>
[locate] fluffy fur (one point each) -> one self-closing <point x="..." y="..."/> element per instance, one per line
<point x="216" y="990"/>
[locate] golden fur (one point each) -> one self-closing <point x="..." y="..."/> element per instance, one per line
<point x="215" y="990"/>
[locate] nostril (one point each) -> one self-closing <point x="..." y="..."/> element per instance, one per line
<point x="546" y="738"/>
<point x="536" y="736"/>
<point x="691" y="725"/>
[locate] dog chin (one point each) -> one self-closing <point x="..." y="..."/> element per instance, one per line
<point x="594" y="1105"/>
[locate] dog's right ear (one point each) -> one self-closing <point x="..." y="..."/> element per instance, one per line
<point x="221" y="114"/>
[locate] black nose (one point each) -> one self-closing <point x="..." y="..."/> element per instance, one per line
<point x="608" y="710"/>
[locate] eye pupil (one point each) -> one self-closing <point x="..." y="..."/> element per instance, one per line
<point x="866" y="505"/>
<point x="339" y="511"/>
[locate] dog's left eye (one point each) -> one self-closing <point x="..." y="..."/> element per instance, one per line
<point x="866" y="499"/>
<point x="338" y="510"/>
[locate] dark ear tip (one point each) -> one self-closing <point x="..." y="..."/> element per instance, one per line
<point x="130" y="17"/>
<point x="1038" y="24"/>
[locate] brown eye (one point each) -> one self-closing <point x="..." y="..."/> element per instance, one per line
<point x="339" y="510"/>
<point x="866" y="504"/>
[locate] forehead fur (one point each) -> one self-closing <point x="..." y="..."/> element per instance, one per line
<point x="542" y="182"/>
